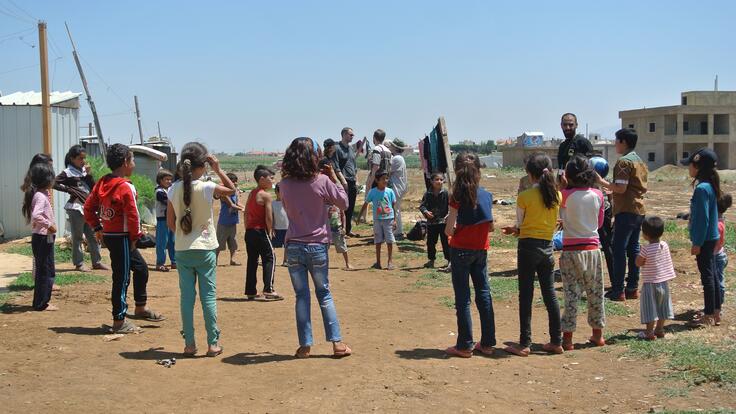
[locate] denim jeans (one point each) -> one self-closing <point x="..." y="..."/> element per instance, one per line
<point x="305" y="259"/>
<point x="721" y="264"/>
<point x="535" y="256"/>
<point x="626" y="229"/>
<point x="164" y="242"/>
<point x="472" y="263"/>
<point x="197" y="267"/>
<point x="707" y="268"/>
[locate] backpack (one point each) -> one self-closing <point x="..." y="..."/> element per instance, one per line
<point x="418" y="232"/>
<point x="385" y="163"/>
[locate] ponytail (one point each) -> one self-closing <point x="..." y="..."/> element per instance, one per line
<point x="467" y="179"/>
<point x="27" y="200"/>
<point x="186" y="176"/>
<point x="711" y="176"/>
<point x="540" y="167"/>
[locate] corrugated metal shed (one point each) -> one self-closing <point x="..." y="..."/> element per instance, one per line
<point x="20" y="139"/>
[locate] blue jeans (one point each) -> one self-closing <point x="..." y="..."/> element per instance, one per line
<point x="472" y="263"/>
<point x="197" y="267"/>
<point x="311" y="259"/>
<point x="721" y="263"/>
<point x="626" y="229"/>
<point x="164" y="241"/>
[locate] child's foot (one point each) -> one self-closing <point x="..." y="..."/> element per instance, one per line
<point x="272" y="296"/>
<point x="462" y="353"/>
<point x="100" y="266"/>
<point x="341" y="349"/>
<point x="51" y="308"/>
<point x="252" y="297"/>
<point x="214" y="350"/>
<point x="190" y="351"/>
<point x="632" y="294"/>
<point x="717" y="318"/>
<point x="659" y="334"/>
<point x="552" y="348"/>
<point x="518" y="350"/>
<point x="485" y="350"/>
<point x="376" y="266"/>
<point x="162" y="268"/>
<point x="234" y="263"/>
<point x="429" y="264"/>
<point x="390" y="266"/>
<point x="303" y="352"/>
<point x="349" y="268"/>
<point x="567" y="344"/>
<point x="173" y="266"/>
<point x="646" y="336"/>
<point x="597" y="338"/>
<point x="81" y="268"/>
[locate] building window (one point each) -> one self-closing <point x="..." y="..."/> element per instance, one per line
<point x="685" y="154"/>
<point x="652" y="127"/>
<point x="631" y="126"/>
<point x="685" y="126"/>
<point x="684" y="100"/>
<point x="650" y="157"/>
<point x="704" y="127"/>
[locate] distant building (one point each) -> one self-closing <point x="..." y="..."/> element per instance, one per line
<point x="670" y="133"/>
<point x="530" y="139"/>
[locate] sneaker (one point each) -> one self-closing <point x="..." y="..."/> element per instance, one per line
<point x="610" y="295"/>
<point x="429" y="264"/>
<point x="446" y="269"/>
<point x="632" y="294"/>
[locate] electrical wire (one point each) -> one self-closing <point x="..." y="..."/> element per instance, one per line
<point x="22" y="10"/>
<point x="109" y="88"/>
<point x="20" y="68"/>
<point x="10" y="35"/>
<point x="10" y="13"/>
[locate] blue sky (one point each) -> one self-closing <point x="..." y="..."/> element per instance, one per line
<point x="254" y="75"/>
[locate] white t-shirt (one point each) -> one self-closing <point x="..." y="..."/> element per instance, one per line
<point x="280" y="220"/>
<point x="203" y="235"/>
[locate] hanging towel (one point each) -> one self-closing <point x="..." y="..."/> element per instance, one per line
<point x="433" y="152"/>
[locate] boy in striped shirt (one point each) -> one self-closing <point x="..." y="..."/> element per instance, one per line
<point x="656" y="270"/>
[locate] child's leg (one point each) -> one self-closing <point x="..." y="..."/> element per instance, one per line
<point x="390" y="248"/>
<point x="43" y="278"/>
<point x="545" y="270"/>
<point x="390" y="240"/>
<point x="140" y="280"/>
<point x="659" y="328"/>
<point x="206" y="274"/>
<point x="721" y="263"/>
<point x="188" y="292"/>
<point x="526" y="264"/>
<point x="76" y="221"/>
<point x="706" y="266"/>
<point x="445" y="243"/>
<point x="461" y="287"/>
<point x="92" y="245"/>
<point x="593" y="282"/>
<point x="170" y="248"/>
<point x="432" y="235"/>
<point x="232" y="244"/>
<point x="251" y="267"/>
<point x="162" y="233"/>
<point x="569" y="269"/>
<point x="483" y="301"/>
<point x="267" y="257"/>
<point x="347" y="261"/>
<point x="378" y="254"/>
<point x="119" y="262"/>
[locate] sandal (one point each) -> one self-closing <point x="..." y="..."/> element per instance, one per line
<point x="162" y="268"/>
<point x="126" y="328"/>
<point x="462" y="353"/>
<point x="302" y="352"/>
<point x="518" y="351"/>
<point x="659" y="334"/>
<point x="643" y="335"/>
<point x="485" y="350"/>
<point x="149" y="315"/>
<point x="272" y="296"/>
<point x="340" y="353"/>
<point x="553" y="349"/>
<point x="213" y="354"/>
<point x="189" y="354"/>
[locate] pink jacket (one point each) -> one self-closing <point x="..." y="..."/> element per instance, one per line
<point x="42" y="215"/>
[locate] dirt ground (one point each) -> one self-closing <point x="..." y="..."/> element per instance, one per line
<point x="396" y="326"/>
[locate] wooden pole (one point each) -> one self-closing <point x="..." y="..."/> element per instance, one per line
<point x="448" y="154"/>
<point x="138" y="117"/>
<point x="98" y="129"/>
<point x="45" y="93"/>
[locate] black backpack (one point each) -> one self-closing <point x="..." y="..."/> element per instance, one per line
<point x="418" y="232"/>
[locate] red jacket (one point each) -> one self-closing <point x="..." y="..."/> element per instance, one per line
<point x="111" y="207"/>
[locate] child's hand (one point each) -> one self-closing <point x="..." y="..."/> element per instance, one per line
<point x="51" y="229"/>
<point x="429" y="215"/>
<point x="213" y="162"/>
<point x="510" y="230"/>
<point x="491" y="228"/>
<point x="695" y="250"/>
<point x="393" y="224"/>
<point x="98" y="236"/>
<point x="87" y="168"/>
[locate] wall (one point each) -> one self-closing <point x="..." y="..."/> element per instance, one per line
<point x="20" y="139"/>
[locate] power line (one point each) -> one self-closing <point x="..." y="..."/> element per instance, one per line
<point x="13" y="15"/>
<point x="109" y="88"/>
<point x="22" y="10"/>
<point x="9" y="35"/>
<point x="20" y="68"/>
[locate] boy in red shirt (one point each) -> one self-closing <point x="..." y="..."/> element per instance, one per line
<point x="111" y="211"/>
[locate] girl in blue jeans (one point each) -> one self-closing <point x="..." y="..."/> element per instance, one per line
<point x="468" y="224"/>
<point x="189" y="215"/>
<point x="304" y="193"/>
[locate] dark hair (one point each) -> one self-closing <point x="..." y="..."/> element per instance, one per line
<point x="193" y="155"/>
<point x="569" y="114"/>
<point x="467" y="179"/>
<point x="116" y="156"/>
<point x="301" y="160"/>
<point x="627" y="135"/>
<point x="380" y="174"/>
<point x="345" y="131"/>
<point x="437" y="174"/>
<point x="232" y="177"/>
<point x="579" y="172"/>
<point x="39" y="158"/>
<point x="652" y="227"/>
<point x="41" y="178"/>
<point x="540" y="167"/>
<point x="379" y="135"/>
<point x="276" y="188"/>
<point x="262" y="171"/>
<point x="724" y="203"/>
<point x="163" y="173"/>
<point x="329" y="142"/>
<point x="709" y="175"/>
<point x="74" y="152"/>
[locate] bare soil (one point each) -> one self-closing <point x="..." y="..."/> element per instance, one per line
<point x="397" y="327"/>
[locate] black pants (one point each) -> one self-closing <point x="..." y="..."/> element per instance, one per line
<point x="711" y="287"/>
<point x="123" y="261"/>
<point x="605" y="233"/>
<point x="535" y="256"/>
<point x="435" y="231"/>
<point x="258" y="244"/>
<point x="44" y="270"/>
<point x="352" y="195"/>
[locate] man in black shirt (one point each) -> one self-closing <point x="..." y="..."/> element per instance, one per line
<point x="346" y="160"/>
<point x="573" y="144"/>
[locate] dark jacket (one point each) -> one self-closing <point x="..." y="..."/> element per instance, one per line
<point x="571" y="147"/>
<point x="76" y="185"/>
<point x="437" y="204"/>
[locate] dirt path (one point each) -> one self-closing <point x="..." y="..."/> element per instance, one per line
<point x="11" y="265"/>
<point x="396" y="325"/>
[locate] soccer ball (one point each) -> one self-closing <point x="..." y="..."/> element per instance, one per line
<point x="600" y="165"/>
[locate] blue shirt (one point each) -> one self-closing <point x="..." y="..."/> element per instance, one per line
<point x="228" y="216"/>
<point x="481" y="213"/>
<point x="383" y="203"/>
<point x="703" y="223"/>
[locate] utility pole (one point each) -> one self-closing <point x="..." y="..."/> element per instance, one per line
<point x="98" y="129"/>
<point x="45" y="93"/>
<point x="159" y="129"/>
<point x="138" y="116"/>
<point x="89" y="128"/>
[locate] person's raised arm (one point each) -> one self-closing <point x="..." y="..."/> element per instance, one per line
<point x="227" y="188"/>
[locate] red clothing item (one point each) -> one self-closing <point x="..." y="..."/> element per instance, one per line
<point x="722" y="236"/>
<point x="470" y="237"/>
<point x="255" y="214"/>
<point x="111" y="207"/>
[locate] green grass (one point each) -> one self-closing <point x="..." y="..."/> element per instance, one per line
<point x="612" y="308"/>
<point x="5" y="297"/>
<point x="730" y="237"/>
<point x="433" y="279"/>
<point x="61" y="254"/>
<point x="504" y="288"/>
<point x="25" y="280"/>
<point x="676" y="234"/>
<point x="500" y="241"/>
<point x="448" y="302"/>
<point x="144" y="186"/>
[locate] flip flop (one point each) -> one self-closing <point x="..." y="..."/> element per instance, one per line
<point x="213" y="354"/>
<point x="273" y="296"/>
<point x="342" y="353"/>
<point x="191" y="354"/>
<point x="149" y="315"/>
<point x="462" y="353"/>
<point x="302" y="352"/>
<point x="126" y="328"/>
<point x="522" y="352"/>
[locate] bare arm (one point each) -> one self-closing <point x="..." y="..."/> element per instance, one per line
<point x="269" y="212"/>
<point x="227" y="188"/>
<point x="450" y="222"/>
<point x="640" y="261"/>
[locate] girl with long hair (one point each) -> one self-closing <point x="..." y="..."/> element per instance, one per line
<point x="468" y="223"/>
<point x="189" y="215"/>
<point x="304" y="193"/>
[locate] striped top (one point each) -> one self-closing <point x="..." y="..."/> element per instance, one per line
<point x="658" y="267"/>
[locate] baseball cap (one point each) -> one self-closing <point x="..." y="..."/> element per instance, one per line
<point x="704" y="157"/>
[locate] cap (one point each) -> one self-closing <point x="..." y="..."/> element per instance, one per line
<point x="704" y="157"/>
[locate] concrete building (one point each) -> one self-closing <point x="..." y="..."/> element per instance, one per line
<point x="21" y="137"/>
<point x="670" y="133"/>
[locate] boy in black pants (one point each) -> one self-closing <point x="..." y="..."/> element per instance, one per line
<point x="111" y="211"/>
<point x="434" y="206"/>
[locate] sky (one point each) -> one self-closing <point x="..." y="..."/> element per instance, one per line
<point x="250" y="75"/>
